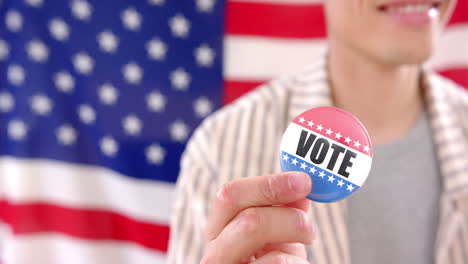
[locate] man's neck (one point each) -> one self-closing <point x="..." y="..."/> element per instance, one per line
<point x="386" y="99"/>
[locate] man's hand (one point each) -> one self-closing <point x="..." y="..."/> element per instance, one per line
<point x="260" y="219"/>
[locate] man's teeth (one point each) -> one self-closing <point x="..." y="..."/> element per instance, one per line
<point x="412" y="8"/>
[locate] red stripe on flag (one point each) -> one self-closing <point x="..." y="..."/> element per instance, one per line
<point x="235" y="89"/>
<point x="83" y="223"/>
<point x="460" y="14"/>
<point x="275" y="20"/>
<point x="459" y="75"/>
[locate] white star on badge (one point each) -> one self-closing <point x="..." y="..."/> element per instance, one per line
<point x="312" y="169"/>
<point x="178" y="131"/>
<point x="310" y="123"/>
<point x="132" y="125"/>
<point x="4" y="49"/>
<point x="37" y="51"/>
<point x="59" y="29"/>
<point x="132" y="73"/>
<point x="347" y="140"/>
<point x="155" y="154"/>
<point x="109" y="146"/>
<point x="17" y="129"/>
<point x="86" y="114"/>
<point x="202" y="107"/>
<point x="321" y="174"/>
<point x="338" y="135"/>
<point x="156" y="2"/>
<point x="179" y="25"/>
<point x="350" y="187"/>
<point x="108" y="41"/>
<point x="16" y="74"/>
<point x="301" y="120"/>
<point x="319" y="128"/>
<point x="329" y="132"/>
<point x="331" y="178"/>
<point x="340" y="183"/>
<point x="294" y="161"/>
<point x="6" y="102"/>
<point x="204" y="56"/>
<point x="83" y="63"/>
<point x="14" y="20"/>
<point x="34" y="3"/>
<point x="285" y="157"/>
<point x="131" y="19"/>
<point x="108" y="94"/>
<point x="64" y="82"/>
<point x="366" y="148"/>
<point x="357" y="144"/>
<point x="180" y="79"/>
<point x="205" y="5"/>
<point x="41" y="104"/>
<point x="81" y="9"/>
<point x="303" y="166"/>
<point x="156" y="49"/>
<point x="155" y="101"/>
<point x="66" y="135"/>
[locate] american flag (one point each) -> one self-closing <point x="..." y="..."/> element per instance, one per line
<point x="98" y="98"/>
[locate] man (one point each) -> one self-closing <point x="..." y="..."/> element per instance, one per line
<point x="414" y="207"/>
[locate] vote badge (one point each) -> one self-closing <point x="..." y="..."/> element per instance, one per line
<point x="332" y="147"/>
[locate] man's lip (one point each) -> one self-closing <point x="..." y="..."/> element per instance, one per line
<point x="398" y="3"/>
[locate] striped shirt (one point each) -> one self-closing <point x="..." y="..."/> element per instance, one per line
<point x="242" y="140"/>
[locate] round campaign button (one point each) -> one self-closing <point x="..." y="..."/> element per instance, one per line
<point x="330" y="145"/>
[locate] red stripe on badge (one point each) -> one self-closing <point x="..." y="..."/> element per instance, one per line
<point x="275" y="20"/>
<point x="29" y="218"/>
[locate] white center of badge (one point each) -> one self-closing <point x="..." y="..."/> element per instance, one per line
<point x="330" y="145"/>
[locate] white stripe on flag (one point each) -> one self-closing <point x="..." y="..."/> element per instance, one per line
<point x="58" y="249"/>
<point x="260" y="58"/>
<point x="66" y="184"/>
<point x="452" y="50"/>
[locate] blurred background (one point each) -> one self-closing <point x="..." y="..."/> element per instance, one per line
<point x="98" y="99"/>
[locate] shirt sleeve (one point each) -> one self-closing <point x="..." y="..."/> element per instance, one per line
<point x="194" y="189"/>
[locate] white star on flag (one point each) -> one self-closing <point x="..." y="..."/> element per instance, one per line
<point x="156" y="102"/>
<point x="331" y="178"/>
<point x="59" y="29"/>
<point x="294" y="161"/>
<point x="6" y="102"/>
<point x="81" y="9"/>
<point x="319" y="128"/>
<point x="321" y="174"/>
<point x="133" y="73"/>
<point x="180" y="79"/>
<point x="108" y="94"/>
<point x="180" y="26"/>
<point x="17" y="129"/>
<point x="204" y="55"/>
<point x="37" y="51"/>
<point x="86" y="114"/>
<point x="156" y="2"/>
<point x="340" y="183"/>
<point x="66" y="135"/>
<point x="303" y="166"/>
<point x="350" y="187"/>
<point x="14" y="20"/>
<point x="357" y="144"/>
<point x="347" y="140"/>
<point x="131" y="19"/>
<point x="205" y="5"/>
<point x="109" y="146"/>
<point x="83" y="63"/>
<point x="178" y="131"/>
<point x="155" y="154"/>
<point x="16" y="74"/>
<point x="34" y="3"/>
<point x="202" y="107"/>
<point x="4" y="50"/>
<point x="301" y="120"/>
<point x="156" y="49"/>
<point x="64" y="82"/>
<point x="132" y="125"/>
<point x="329" y="132"/>
<point x="41" y="104"/>
<point x="108" y="41"/>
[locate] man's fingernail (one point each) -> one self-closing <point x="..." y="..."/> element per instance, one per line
<point x="299" y="182"/>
